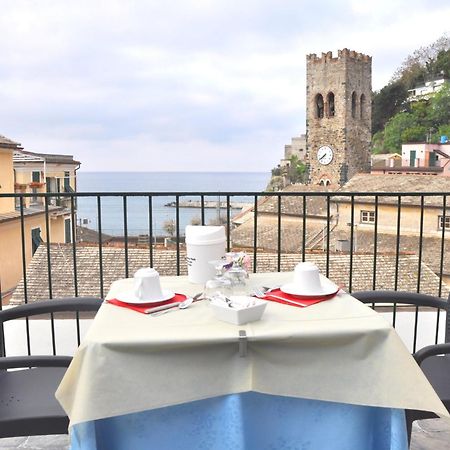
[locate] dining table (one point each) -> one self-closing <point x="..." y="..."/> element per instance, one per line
<point x="334" y="375"/>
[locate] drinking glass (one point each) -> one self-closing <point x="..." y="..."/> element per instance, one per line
<point x="220" y="284"/>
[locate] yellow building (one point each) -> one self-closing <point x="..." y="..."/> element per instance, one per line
<point x="26" y="172"/>
<point x="388" y="207"/>
<point x="423" y="230"/>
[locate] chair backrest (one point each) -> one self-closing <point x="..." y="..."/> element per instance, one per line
<point x="407" y="298"/>
<point x="70" y="304"/>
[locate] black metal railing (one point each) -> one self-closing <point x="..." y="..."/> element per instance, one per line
<point x="403" y="248"/>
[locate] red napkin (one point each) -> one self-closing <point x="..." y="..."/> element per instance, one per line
<point x="305" y="299"/>
<point x="144" y="306"/>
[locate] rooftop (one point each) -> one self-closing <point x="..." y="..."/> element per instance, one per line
<point x="27" y="156"/>
<point x="8" y="143"/>
<point x="396" y="184"/>
<point x="88" y="272"/>
<point x="31" y="211"/>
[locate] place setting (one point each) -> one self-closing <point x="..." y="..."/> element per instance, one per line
<point x="148" y="297"/>
<point x="307" y="288"/>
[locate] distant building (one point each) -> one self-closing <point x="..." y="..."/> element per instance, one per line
<point x="426" y="90"/>
<point x="43" y="172"/>
<point x="417" y="158"/>
<point x="434" y="233"/>
<point x="26" y="172"/>
<point x="297" y="148"/>
<point x="385" y="161"/>
<point x="364" y="206"/>
<point x="414" y="222"/>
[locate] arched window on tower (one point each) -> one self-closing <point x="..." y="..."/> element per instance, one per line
<point x="354" y="104"/>
<point x="362" y="106"/>
<point x="319" y="106"/>
<point x="330" y="102"/>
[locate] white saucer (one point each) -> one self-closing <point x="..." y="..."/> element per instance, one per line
<point x="327" y="288"/>
<point x="132" y="299"/>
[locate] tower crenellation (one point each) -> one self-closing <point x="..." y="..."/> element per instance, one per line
<point x="342" y="54"/>
<point x="338" y="92"/>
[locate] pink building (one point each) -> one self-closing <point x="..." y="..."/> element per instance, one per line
<point x="419" y="158"/>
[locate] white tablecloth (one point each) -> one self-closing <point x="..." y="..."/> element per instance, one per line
<point x="338" y="350"/>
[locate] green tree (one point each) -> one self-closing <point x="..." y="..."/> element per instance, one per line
<point x="441" y="65"/>
<point x="169" y="227"/>
<point x="416" y="133"/>
<point x="393" y="131"/>
<point x="394" y="120"/>
<point x="421" y="111"/>
<point x="386" y="103"/>
<point x="440" y="107"/>
<point x="444" y="130"/>
<point x="423" y="62"/>
<point x="297" y="170"/>
<point x="378" y="142"/>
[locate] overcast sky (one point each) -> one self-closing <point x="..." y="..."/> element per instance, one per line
<point x="185" y="85"/>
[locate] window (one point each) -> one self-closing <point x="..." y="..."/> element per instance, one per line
<point x="330" y="102"/>
<point x="354" y="104"/>
<point x="362" y="106"/>
<point x="67" y="231"/>
<point x="36" y="239"/>
<point x="367" y="216"/>
<point x="319" y="106"/>
<point x="36" y="176"/>
<point x="441" y="222"/>
<point x="67" y="182"/>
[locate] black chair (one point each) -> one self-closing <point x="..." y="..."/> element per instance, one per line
<point x="27" y="397"/>
<point x="434" y="360"/>
<point x="436" y="368"/>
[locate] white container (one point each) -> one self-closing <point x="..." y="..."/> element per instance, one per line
<point x="203" y="244"/>
<point x="239" y="316"/>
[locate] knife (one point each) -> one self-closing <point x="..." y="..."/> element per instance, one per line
<point x="170" y="305"/>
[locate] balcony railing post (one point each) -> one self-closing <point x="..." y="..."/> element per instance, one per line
<point x="304" y="230"/>
<point x="125" y="231"/>
<point x="150" y="229"/>
<point x="279" y="233"/>
<point x="177" y="231"/>
<point x="100" y="244"/>
<point x="255" y="231"/>
<point x="24" y="269"/>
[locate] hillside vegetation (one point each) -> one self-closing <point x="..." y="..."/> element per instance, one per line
<point x="395" y="120"/>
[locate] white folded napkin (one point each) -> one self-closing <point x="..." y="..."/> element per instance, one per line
<point x="235" y="301"/>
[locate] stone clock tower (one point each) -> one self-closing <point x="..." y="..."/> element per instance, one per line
<point x="338" y="116"/>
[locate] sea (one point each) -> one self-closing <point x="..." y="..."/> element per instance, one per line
<point x="137" y="218"/>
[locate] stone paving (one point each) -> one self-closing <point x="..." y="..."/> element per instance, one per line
<point x="53" y="442"/>
<point x="431" y="434"/>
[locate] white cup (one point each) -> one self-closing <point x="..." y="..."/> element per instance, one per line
<point x="147" y="285"/>
<point x="307" y="277"/>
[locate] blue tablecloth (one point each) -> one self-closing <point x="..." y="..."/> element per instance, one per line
<point x="249" y="421"/>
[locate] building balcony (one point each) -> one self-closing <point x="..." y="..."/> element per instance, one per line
<point x="394" y="240"/>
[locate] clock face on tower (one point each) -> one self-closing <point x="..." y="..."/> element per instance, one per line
<point x="325" y="155"/>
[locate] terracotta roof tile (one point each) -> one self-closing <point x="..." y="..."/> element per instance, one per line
<point x="397" y="184"/>
<point x="88" y="274"/>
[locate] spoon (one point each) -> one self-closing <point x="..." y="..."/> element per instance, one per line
<point x="180" y="305"/>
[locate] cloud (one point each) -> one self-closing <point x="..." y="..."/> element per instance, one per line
<point x="144" y="85"/>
